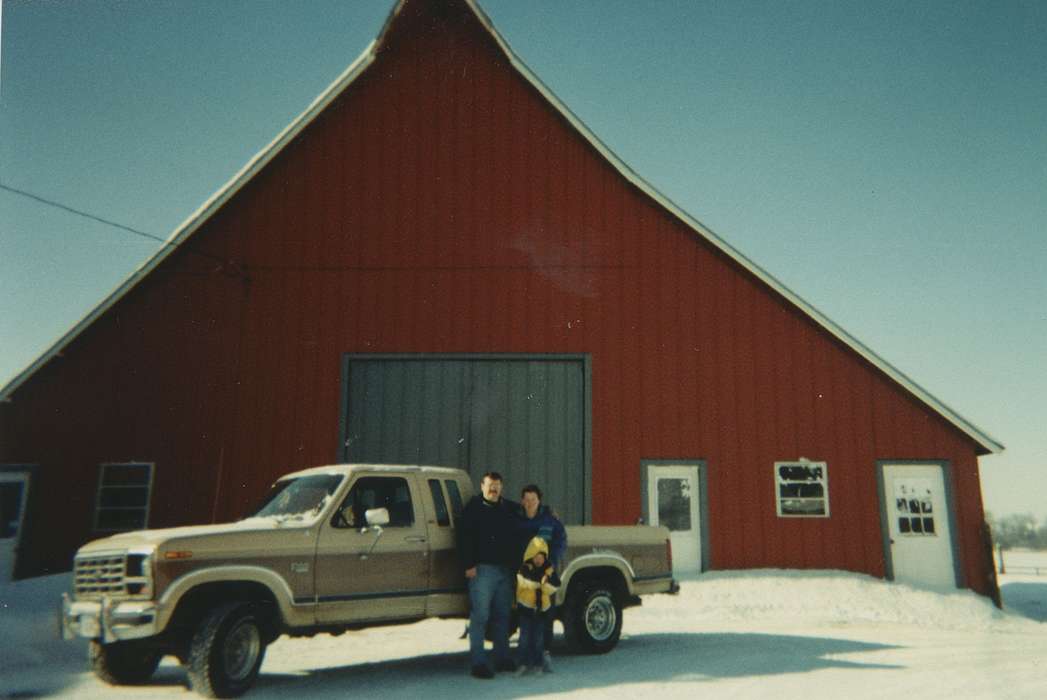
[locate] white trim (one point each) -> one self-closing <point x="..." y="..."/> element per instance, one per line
<point x="594" y="559"/>
<point x="269" y="578"/>
<point x="366" y="58"/>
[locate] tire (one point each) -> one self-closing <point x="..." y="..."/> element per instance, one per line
<point x="226" y="651"/>
<point x="123" y="663"/>
<point x="593" y="621"/>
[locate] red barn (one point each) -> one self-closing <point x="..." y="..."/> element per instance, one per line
<point x="437" y="262"/>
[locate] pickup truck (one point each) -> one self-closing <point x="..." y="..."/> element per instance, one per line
<point x="330" y="549"/>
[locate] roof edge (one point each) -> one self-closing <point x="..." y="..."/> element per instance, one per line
<point x="270" y="151"/>
<point x="983" y="439"/>
<point x="202" y="214"/>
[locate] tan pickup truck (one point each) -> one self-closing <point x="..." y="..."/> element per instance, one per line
<point x="330" y="549"/>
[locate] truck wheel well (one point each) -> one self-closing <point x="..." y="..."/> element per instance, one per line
<point x="205" y="597"/>
<point x="607" y="576"/>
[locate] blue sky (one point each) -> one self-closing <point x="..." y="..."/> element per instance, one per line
<point x="886" y="161"/>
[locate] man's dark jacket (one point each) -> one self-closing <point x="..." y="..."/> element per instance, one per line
<point x="487" y="533"/>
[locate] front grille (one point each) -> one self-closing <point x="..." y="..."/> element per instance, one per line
<point x="96" y="576"/>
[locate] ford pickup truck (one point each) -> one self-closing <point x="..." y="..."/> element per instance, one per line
<point x="330" y="549"/>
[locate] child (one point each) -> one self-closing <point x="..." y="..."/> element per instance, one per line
<point x="535" y="584"/>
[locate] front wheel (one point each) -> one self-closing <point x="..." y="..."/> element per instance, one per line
<point x="226" y="651"/>
<point x="123" y="663"/>
<point x="593" y="621"/>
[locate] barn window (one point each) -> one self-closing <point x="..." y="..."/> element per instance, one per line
<point x="802" y="489"/>
<point x="122" y="502"/>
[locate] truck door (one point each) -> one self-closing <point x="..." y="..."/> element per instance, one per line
<point x="374" y="573"/>
<point x="447" y="591"/>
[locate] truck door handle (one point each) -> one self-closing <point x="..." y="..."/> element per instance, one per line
<point x="414" y="538"/>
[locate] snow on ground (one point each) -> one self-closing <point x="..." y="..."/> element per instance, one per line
<point x="745" y="634"/>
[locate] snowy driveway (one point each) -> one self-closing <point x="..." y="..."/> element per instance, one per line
<point x="749" y="634"/>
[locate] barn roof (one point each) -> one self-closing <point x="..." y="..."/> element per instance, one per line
<point x="343" y="81"/>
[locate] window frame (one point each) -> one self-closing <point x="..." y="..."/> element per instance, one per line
<point x="436" y="491"/>
<point x="779" y="482"/>
<point x="454" y="497"/>
<point x="416" y="518"/>
<point x="147" y="509"/>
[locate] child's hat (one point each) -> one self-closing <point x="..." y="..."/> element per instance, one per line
<point x="536" y="545"/>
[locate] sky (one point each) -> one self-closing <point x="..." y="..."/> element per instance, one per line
<point x="885" y="161"/>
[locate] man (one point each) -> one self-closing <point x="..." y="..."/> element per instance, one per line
<point x="487" y="550"/>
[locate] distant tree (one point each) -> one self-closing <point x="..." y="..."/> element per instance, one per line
<point x="1041" y="536"/>
<point x="1017" y="530"/>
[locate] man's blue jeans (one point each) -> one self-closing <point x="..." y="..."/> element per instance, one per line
<point x="490" y="596"/>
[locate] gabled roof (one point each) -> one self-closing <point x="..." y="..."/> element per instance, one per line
<point x="359" y="66"/>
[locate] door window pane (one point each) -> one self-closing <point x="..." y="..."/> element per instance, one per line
<point x="10" y="509"/>
<point x="914" y="501"/>
<point x="369" y="492"/>
<point x="674" y="503"/>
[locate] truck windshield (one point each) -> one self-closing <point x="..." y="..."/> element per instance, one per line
<point x="299" y="497"/>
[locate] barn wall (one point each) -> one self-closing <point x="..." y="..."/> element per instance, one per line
<point x="441" y="206"/>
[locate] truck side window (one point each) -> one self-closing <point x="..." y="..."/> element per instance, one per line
<point x="442" y="517"/>
<point x="389" y="492"/>
<point x="456" y="497"/>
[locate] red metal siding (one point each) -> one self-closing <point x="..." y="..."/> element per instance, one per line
<point x="439" y="205"/>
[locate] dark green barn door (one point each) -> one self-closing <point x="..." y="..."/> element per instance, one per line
<point x="523" y="417"/>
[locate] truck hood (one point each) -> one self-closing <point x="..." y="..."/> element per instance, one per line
<point x="252" y="532"/>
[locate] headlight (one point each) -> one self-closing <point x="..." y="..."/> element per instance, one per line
<point x="137" y="565"/>
<point x="138" y="576"/>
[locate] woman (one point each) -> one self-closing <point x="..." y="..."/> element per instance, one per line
<point x="539" y="521"/>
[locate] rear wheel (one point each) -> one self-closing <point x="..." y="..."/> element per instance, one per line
<point x="227" y="651"/>
<point x="593" y="621"/>
<point x="123" y="663"/>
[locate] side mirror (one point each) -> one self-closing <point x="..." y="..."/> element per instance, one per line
<point x="377" y="517"/>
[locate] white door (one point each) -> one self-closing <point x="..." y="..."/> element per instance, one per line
<point x="13" y="489"/>
<point x="918" y="525"/>
<point x="672" y="501"/>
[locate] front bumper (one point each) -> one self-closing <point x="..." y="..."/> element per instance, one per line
<point x="107" y="620"/>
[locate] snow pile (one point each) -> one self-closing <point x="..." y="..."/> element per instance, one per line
<point x="742" y="634"/>
<point x="29" y="612"/>
<point x="821" y="598"/>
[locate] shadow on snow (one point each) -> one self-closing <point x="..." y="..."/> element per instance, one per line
<point x="648" y="658"/>
<point x="1026" y="598"/>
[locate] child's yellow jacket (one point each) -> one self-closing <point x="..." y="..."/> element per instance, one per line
<point x="535" y="587"/>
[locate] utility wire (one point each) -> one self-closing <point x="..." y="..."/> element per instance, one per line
<point x="107" y="222"/>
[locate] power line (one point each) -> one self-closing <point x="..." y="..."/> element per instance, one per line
<point x="63" y="207"/>
<point x="107" y="222"/>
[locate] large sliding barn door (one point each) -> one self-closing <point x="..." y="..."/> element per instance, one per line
<point x="522" y="416"/>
